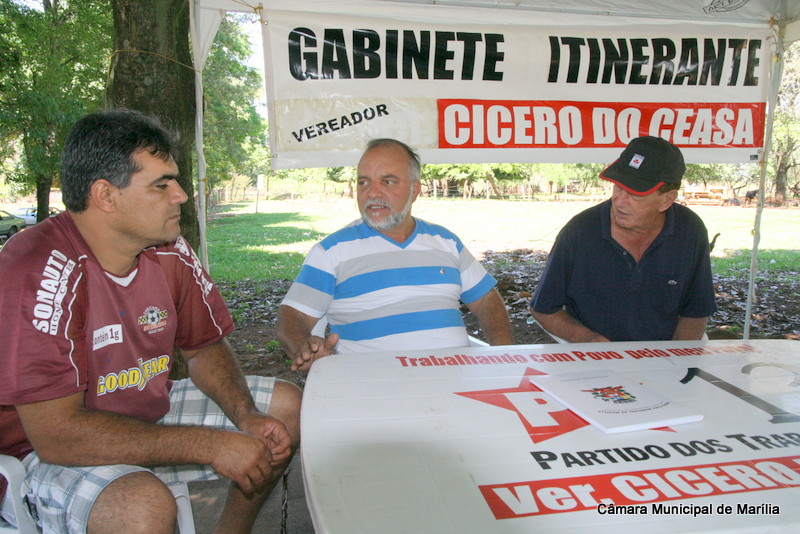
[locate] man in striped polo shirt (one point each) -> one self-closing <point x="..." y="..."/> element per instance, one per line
<point x="388" y="281"/>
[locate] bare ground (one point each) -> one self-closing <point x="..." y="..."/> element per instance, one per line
<point x="776" y="309"/>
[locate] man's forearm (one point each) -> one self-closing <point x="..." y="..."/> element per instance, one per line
<point x="564" y="326"/>
<point x="690" y="328"/>
<point x="216" y="372"/>
<point x="293" y="329"/>
<point x="63" y="432"/>
<point x="493" y="318"/>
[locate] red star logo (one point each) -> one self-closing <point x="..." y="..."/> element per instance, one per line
<point x="550" y="419"/>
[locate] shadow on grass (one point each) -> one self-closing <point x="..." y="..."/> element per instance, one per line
<point x="226" y="208"/>
<point x="261" y="229"/>
<point x="256" y="265"/>
<point x="238" y="246"/>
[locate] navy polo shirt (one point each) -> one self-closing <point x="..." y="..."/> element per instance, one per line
<point x="600" y="284"/>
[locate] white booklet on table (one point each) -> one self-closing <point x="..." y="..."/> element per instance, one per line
<point x="614" y="403"/>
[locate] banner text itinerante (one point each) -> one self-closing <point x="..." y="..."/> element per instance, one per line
<point x="658" y="61"/>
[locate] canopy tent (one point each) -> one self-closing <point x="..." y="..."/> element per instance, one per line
<point x="783" y="12"/>
<point x="306" y="126"/>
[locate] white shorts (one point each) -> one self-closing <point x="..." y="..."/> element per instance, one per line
<point x="60" y="498"/>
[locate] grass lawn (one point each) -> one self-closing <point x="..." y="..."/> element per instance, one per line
<point x="270" y="243"/>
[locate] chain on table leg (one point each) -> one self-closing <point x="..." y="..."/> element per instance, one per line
<point x="285" y="502"/>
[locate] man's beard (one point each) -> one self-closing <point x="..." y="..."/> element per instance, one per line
<point x="395" y="217"/>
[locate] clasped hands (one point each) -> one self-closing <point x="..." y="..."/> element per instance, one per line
<point x="250" y="456"/>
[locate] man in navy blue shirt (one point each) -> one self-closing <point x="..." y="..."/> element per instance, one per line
<point x="637" y="266"/>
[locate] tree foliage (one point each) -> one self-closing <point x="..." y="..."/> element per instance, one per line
<point x="235" y="132"/>
<point x="53" y="57"/>
<point x="786" y="130"/>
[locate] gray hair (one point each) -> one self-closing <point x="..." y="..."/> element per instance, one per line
<point x="413" y="157"/>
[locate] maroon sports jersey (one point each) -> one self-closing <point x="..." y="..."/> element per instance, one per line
<point x="70" y="327"/>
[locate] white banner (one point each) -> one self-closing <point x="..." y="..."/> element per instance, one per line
<point x="511" y="93"/>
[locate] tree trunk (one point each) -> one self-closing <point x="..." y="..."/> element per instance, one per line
<point x="44" y="154"/>
<point x="490" y="178"/>
<point x="151" y="72"/>
<point x="44" y="184"/>
<point x="785" y="156"/>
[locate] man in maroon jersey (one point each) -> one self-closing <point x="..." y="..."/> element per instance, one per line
<point x="96" y="298"/>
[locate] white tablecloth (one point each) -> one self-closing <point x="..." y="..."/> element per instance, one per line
<point x="459" y="441"/>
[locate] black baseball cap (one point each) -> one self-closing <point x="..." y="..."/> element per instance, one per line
<point x="646" y="164"/>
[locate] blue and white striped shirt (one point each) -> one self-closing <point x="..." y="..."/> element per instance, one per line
<point x="380" y="295"/>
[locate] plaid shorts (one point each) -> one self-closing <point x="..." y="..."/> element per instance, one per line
<point x="60" y="498"/>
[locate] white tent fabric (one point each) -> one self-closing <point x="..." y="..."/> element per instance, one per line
<point x="781" y="17"/>
<point x="784" y="13"/>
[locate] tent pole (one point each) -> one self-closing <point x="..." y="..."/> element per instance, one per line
<point x="198" y="140"/>
<point x="776" y="73"/>
<point x="201" y="171"/>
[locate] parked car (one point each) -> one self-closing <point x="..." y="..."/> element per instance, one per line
<point x="10" y="224"/>
<point x="29" y="214"/>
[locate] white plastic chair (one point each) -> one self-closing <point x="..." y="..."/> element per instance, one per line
<point x="11" y="469"/>
<point x="475" y="342"/>
<point x="185" y="516"/>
